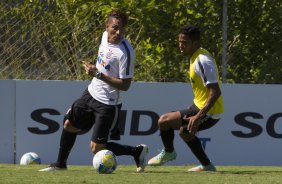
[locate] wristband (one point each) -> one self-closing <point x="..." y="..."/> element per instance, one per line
<point x="99" y="75"/>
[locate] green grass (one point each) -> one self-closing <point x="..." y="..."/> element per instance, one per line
<point x="126" y="175"/>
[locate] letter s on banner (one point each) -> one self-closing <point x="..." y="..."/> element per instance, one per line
<point x="240" y="119"/>
<point x="52" y="125"/>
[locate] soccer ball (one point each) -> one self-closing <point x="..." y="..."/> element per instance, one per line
<point x="105" y="162"/>
<point x="30" y="158"/>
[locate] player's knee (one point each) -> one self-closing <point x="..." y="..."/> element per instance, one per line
<point x="163" y="122"/>
<point x="185" y="134"/>
<point x="68" y="127"/>
<point x="96" y="147"/>
<point x="66" y="124"/>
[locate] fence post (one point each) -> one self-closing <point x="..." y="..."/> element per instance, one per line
<point x="224" y="40"/>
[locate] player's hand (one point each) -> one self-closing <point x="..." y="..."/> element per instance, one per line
<point x="89" y="68"/>
<point x="193" y="124"/>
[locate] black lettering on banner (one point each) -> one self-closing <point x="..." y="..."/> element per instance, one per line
<point x="52" y="126"/>
<point x="240" y="119"/>
<point x="122" y="121"/>
<point x="270" y="126"/>
<point x="135" y="122"/>
<point x="204" y="141"/>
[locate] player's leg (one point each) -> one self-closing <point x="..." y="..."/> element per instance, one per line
<point x="194" y="143"/>
<point x="105" y="123"/>
<point x="67" y="141"/>
<point x="77" y="119"/>
<point x="167" y="123"/>
<point x="138" y="152"/>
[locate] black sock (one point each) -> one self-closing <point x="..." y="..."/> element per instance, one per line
<point x="167" y="138"/>
<point x="119" y="149"/>
<point x="66" y="143"/>
<point x="196" y="147"/>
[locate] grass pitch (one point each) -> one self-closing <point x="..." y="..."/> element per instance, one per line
<point x="17" y="174"/>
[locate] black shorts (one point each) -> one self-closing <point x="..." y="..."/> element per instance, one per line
<point x="205" y="123"/>
<point x="86" y="112"/>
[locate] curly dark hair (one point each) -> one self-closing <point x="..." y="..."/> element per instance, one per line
<point x="192" y="31"/>
<point x="118" y="14"/>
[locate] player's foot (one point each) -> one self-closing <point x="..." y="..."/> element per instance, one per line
<point x="162" y="158"/>
<point x="55" y="167"/>
<point x="200" y="168"/>
<point x="140" y="159"/>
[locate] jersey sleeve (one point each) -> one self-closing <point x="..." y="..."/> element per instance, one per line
<point x="104" y="39"/>
<point x="126" y="66"/>
<point x="206" y="68"/>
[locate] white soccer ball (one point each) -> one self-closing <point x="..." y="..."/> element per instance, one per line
<point x="105" y="162"/>
<point x="30" y="158"/>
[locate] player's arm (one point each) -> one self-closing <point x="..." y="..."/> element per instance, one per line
<point x="120" y="84"/>
<point x="193" y="121"/>
<point x="214" y="93"/>
<point x="207" y="71"/>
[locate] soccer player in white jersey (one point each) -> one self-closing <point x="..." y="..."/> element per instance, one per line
<point x="100" y="104"/>
<point x="205" y="110"/>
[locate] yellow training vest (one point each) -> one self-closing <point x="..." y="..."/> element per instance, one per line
<point x="200" y="91"/>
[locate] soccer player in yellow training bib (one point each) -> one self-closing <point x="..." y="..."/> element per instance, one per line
<point x="207" y="105"/>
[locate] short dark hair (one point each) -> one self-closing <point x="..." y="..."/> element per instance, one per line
<point x="118" y="14"/>
<point x="192" y="31"/>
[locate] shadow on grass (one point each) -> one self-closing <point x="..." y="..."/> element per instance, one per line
<point x="146" y="172"/>
<point x="218" y="172"/>
<point x="156" y="172"/>
<point x="249" y="172"/>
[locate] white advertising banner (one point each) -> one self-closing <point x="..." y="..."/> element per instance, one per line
<point x="41" y="106"/>
<point x="7" y="120"/>
<point x="249" y="132"/>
